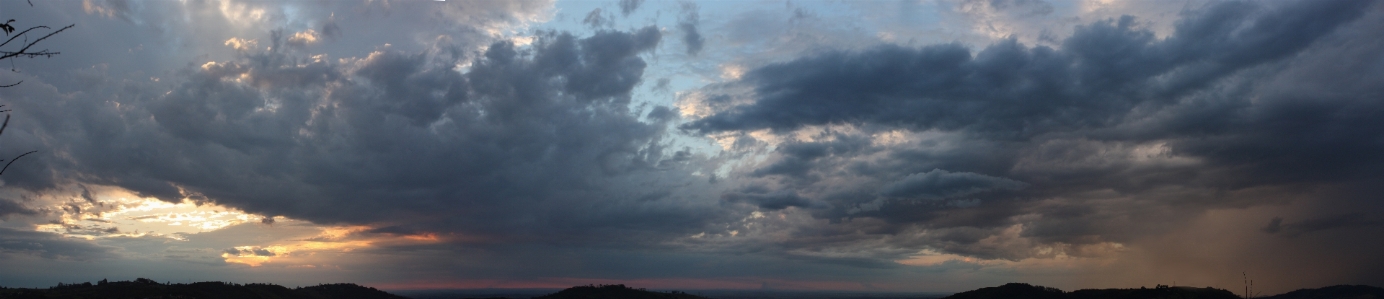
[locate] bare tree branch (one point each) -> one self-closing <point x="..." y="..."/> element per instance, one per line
<point x="24" y="51"/>
<point x="7" y="165"/>
<point x="6" y="124"/>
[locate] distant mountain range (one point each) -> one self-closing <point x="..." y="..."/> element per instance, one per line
<point x="146" y="288"/>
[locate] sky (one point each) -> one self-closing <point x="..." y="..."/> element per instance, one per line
<point x="910" y="145"/>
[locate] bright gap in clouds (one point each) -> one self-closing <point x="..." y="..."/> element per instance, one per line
<point x="99" y="213"/>
<point x="105" y="212"/>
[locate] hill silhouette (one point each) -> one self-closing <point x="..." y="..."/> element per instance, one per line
<point x="147" y="288"/>
<point x="1011" y="290"/>
<point x="615" y="291"/>
<point x="1026" y="291"/>
<point x="1159" y="292"/>
<point x="1334" y="292"/>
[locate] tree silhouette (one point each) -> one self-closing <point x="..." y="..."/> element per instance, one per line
<point x="22" y="44"/>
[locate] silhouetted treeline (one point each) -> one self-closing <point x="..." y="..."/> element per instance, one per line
<point x="147" y="288"/>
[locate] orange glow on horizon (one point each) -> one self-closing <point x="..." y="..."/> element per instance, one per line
<point x="339" y="239"/>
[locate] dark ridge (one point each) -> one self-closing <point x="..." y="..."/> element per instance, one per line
<point x="344" y="290"/>
<point x="1011" y="291"/>
<point x="1160" y="292"/>
<point x="147" y="288"/>
<point x="615" y="291"/>
<point x="1026" y="291"/>
<point x="1334" y="292"/>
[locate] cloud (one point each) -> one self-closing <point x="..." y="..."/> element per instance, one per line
<point x="1104" y="69"/>
<point x="1054" y="148"/>
<point x="50" y="246"/>
<point x="596" y="20"/>
<point x="629" y="6"/>
<point x="447" y="138"/>
<point x="262" y="252"/>
<point x="943" y="184"/>
<point x="110" y="9"/>
<point x="1353" y="220"/>
<point x="303" y="38"/>
<point x="10" y="207"/>
<point x="771" y="201"/>
<point x="241" y="44"/>
<point x="531" y="141"/>
<point x="330" y="29"/>
<point x="687" y="23"/>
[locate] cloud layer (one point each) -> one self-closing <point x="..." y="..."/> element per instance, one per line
<point x="1015" y="152"/>
<point x="456" y="140"/>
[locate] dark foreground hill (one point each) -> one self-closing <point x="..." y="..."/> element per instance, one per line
<point x="1012" y="290"/>
<point x="1334" y="292"/>
<point x="1026" y="291"/>
<point x="146" y="288"/>
<point x="617" y="291"/>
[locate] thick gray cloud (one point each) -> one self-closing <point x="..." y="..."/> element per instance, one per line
<point x="539" y="158"/>
<point x="50" y="246"/>
<point x="9" y="207"/>
<point x="943" y="184"/>
<point x="772" y="201"/>
<point x="1105" y="69"/>
<point x="1293" y="229"/>
<point x="1067" y="143"/>
<point x="529" y="142"/>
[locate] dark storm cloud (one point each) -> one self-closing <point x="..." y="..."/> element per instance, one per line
<point x="529" y="159"/>
<point x="50" y="246"/>
<point x="1057" y="147"/>
<point x="1293" y="229"/>
<point x="10" y="207"/>
<point x="530" y="142"/>
<point x="943" y="184"/>
<point x="1103" y="70"/>
<point x="770" y="201"/>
